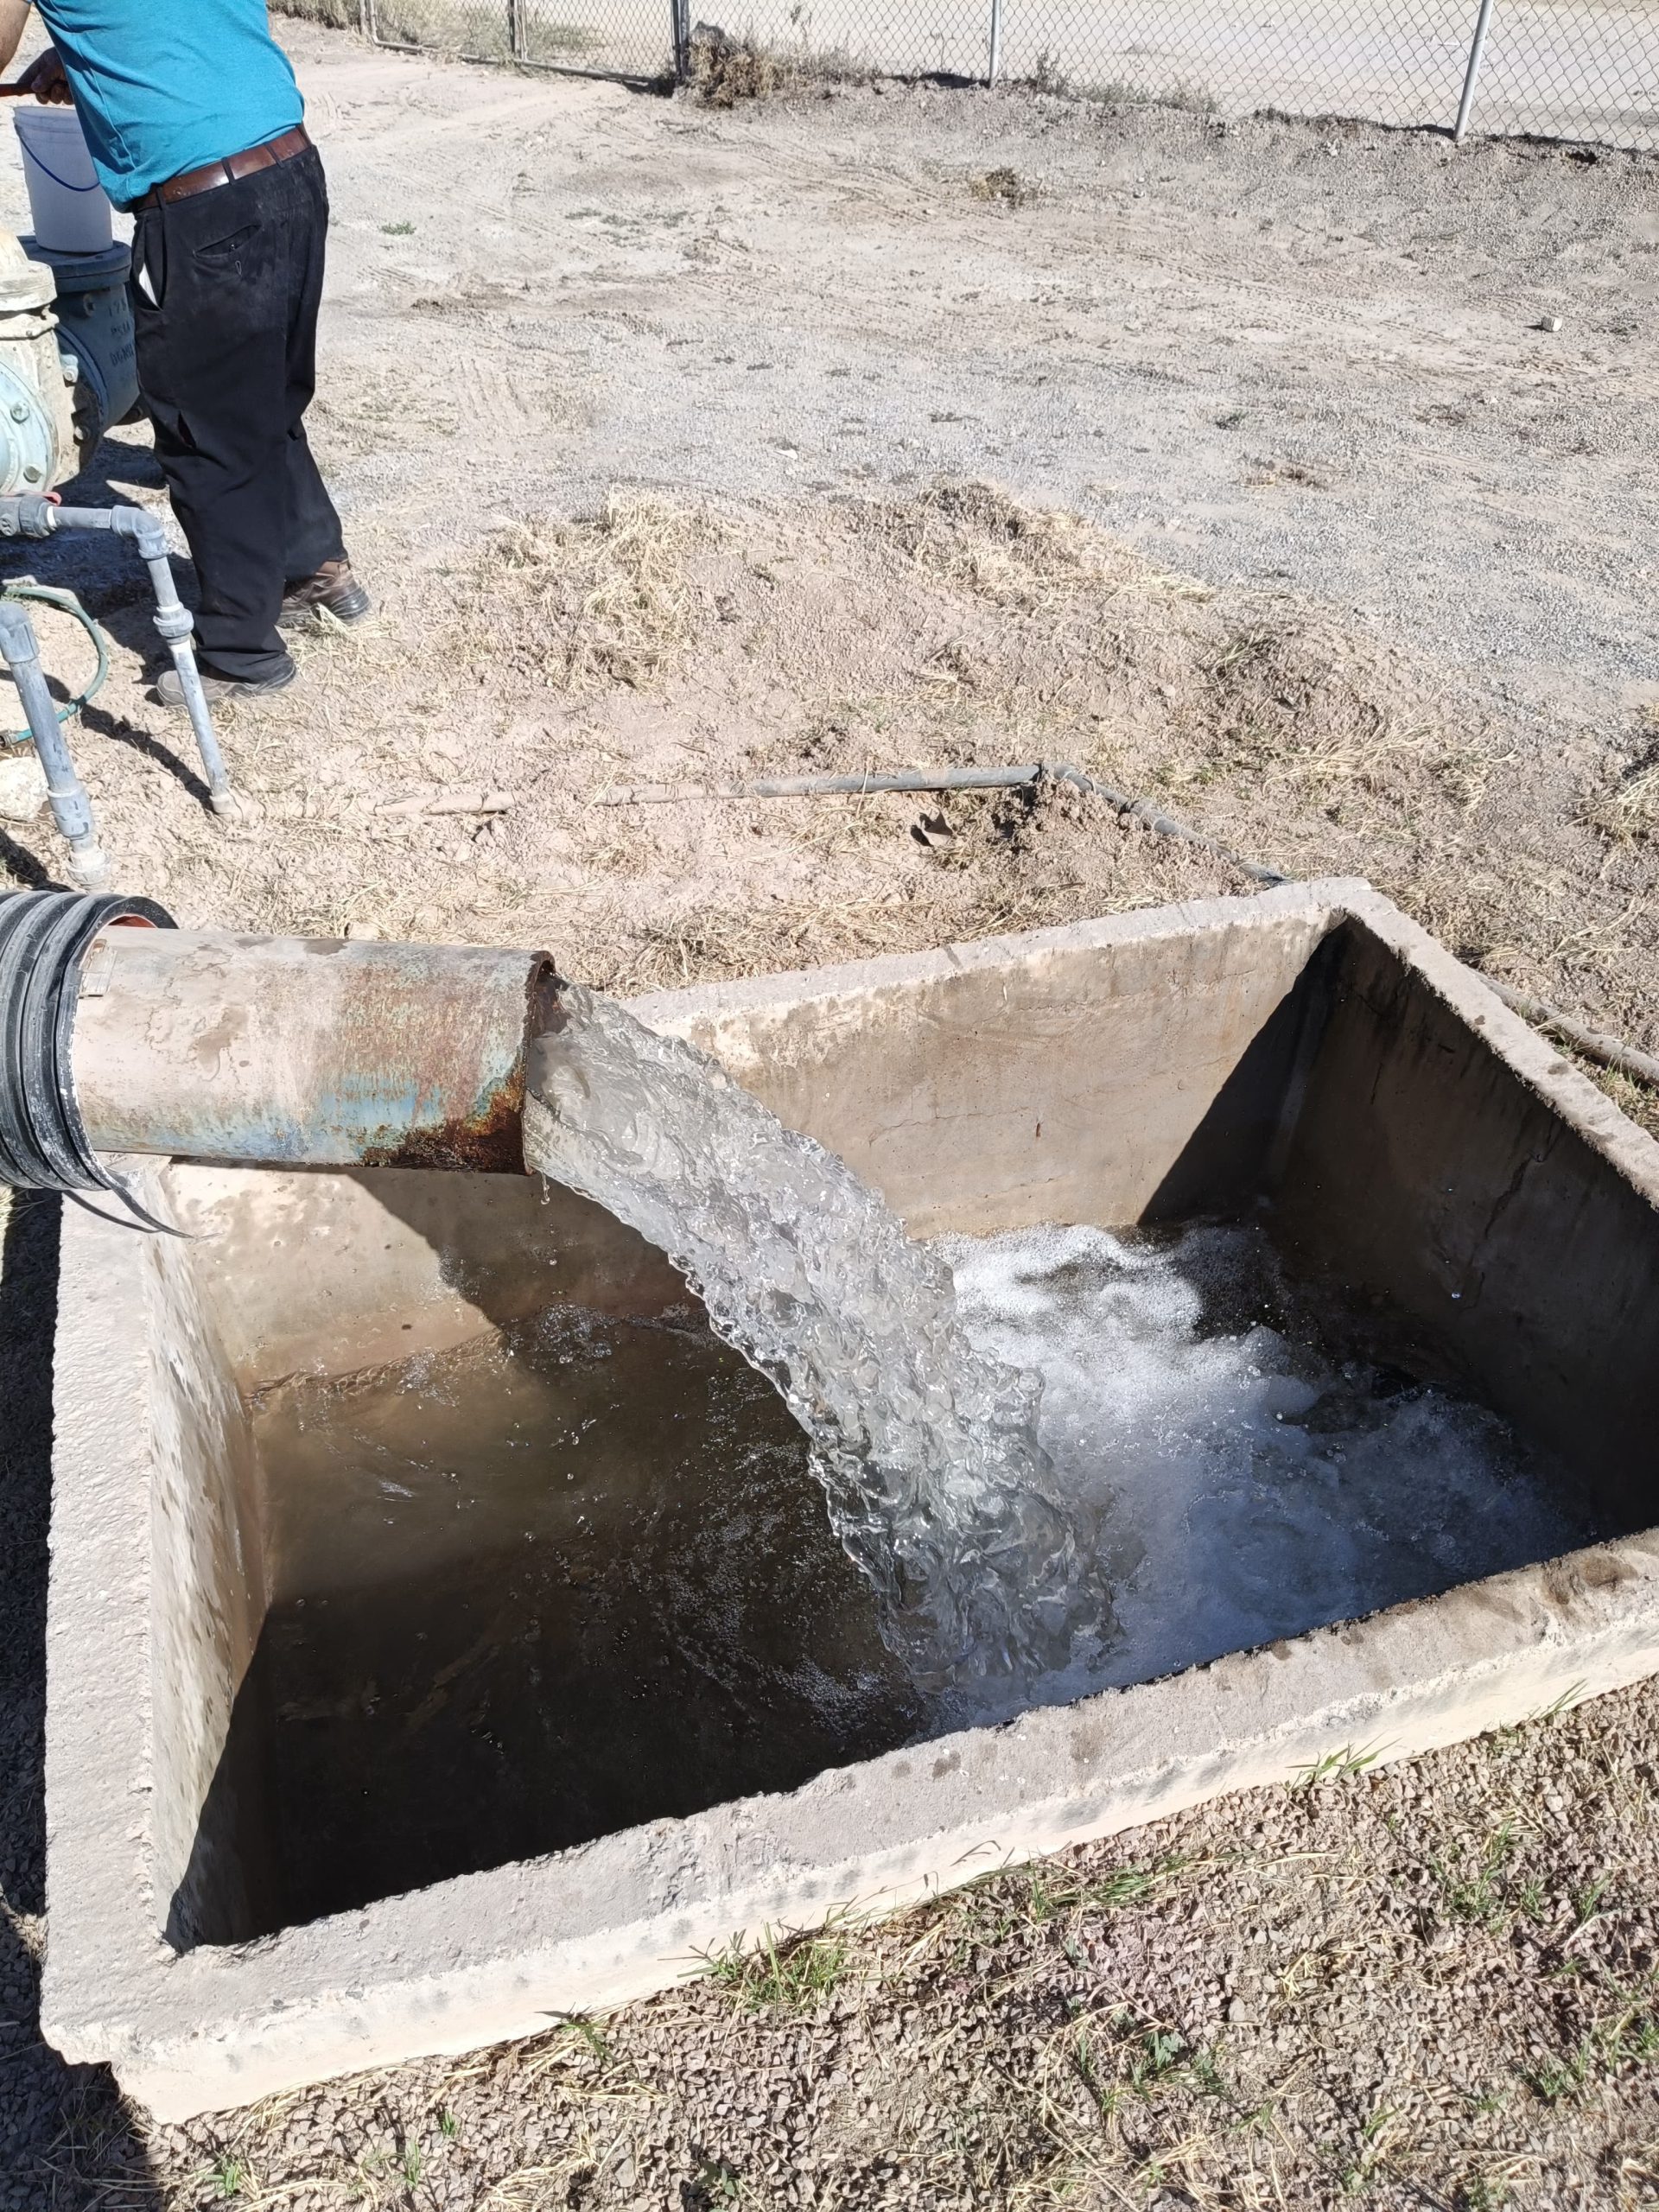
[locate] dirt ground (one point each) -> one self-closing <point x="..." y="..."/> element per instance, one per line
<point x="881" y="427"/>
<point x="876" y="427"/>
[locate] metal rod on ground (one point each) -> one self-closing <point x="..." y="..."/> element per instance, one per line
<point x="1594" y="1043"/>
<point x="1472" y="75"/>
<point x="994" y="69"/>
<point x="71" y="808"/>
<point x="941" y="780"/>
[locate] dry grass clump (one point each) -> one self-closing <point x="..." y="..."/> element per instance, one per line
<point x="1030" y="559"/>
<point x="1287" y="695"/>
<point x="709" y="944"/>
<point x="606" y="601"/>
<point x="1628" y="813"/>
<point x="1006" y="186"/>
<point x="1631" y="813"/>
<point x="1272" y="682"/>
<point x="725" y="70"/>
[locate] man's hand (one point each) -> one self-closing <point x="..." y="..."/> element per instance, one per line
<point x="44" y="77"/>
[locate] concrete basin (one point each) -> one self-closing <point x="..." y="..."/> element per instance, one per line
<point x="1307" y="1056"/>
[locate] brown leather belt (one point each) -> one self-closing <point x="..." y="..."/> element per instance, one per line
<point x="212" y="174"/>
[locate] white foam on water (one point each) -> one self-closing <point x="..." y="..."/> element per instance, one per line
<point x="1248" y="1487"/>
<point x="1099" y="1459"/>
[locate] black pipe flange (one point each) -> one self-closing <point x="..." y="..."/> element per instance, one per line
<point x="45" y="936"/>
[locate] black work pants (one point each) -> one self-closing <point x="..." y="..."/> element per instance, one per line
<point x="226" y="365"/>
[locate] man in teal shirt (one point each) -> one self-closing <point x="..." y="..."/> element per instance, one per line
<point x="194" y="122"/>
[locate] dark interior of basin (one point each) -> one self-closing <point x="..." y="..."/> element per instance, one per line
<point x="556" y="1581"/>
<point x="570" y="1571"/>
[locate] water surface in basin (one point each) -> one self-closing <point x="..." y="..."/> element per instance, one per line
<point x="577" y="1574"/>
<point x="559" y="1580"/>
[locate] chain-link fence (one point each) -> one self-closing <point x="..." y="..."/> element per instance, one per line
<point x="619" y="38"/>
<point x="1583" y="70"/>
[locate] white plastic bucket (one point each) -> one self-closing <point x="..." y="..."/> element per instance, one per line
<point x="71" y="209"/>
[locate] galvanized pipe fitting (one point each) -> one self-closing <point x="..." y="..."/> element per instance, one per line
<point x="71" y="808"/>
<point x="30" y="517"/>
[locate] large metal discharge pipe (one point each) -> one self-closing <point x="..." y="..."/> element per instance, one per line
<point x="317" y="1051"/>
<point x="120" y="1034"/>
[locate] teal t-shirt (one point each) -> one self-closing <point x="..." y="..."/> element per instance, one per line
<point x="164" y="85"/>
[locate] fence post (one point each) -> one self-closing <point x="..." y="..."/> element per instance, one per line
<point x="517" y="30"/>
<point x="1472" y="75"/>
<point x="680" y="32"/>
<point x="994" y="68"/>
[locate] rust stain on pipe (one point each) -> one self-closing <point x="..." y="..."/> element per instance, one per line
<point x="491" y="1138"/>
<point x="311" y="1052"/>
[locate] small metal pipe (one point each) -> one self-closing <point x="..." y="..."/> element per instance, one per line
<point x="860" y="786"/>
<point x="994" y="69"/>
<point x="901" y="779"/>
<point x="942" y="779"/>
<point x="1594" y="1043"/>
<point x="313" y="1052"/>
<point x="71" y="810"/>
<point x="172" y="619"/>
<point x="1471" y="74"/>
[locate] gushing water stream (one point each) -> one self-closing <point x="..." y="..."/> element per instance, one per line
<point x="926" y="1449"/>
<point x="577" y="1566"/>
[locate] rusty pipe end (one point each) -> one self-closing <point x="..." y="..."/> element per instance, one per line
<point x="310" y="1051"/>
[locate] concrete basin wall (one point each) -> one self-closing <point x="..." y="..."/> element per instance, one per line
<point x="1308" y="1050"/>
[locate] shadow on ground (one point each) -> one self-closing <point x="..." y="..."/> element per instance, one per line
<point x="106" y="573"/>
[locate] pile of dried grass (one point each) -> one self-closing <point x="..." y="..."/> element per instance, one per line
<point x="338" y="15"/>
<point x="726" y="70"/>
<point x="1006" y="186"/>
<point x="1629" y="813"/>
<point x="1029" y="559"/>
<point x="706" y="942"/>
<point x="589" y="603"/>
<point x="1289" y="695"/>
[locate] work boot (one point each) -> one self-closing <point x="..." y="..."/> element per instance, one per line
<point x="221" y="688"/>
<point x="333" y="590"/>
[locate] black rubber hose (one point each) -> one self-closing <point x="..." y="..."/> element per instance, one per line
<point x="44" y="938"/>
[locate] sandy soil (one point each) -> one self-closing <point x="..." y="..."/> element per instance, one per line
<point x="869" y="428"/>
<point x="1361" y="576"/>
<point x="1433" y="1986"/>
